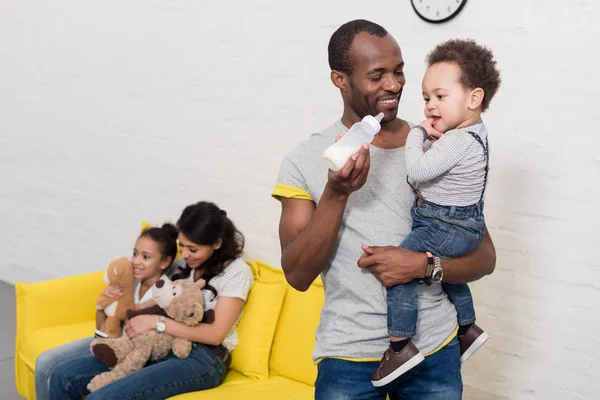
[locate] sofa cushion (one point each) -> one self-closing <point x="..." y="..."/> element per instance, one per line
<point x="257" y="326"/>
<point x="46" y="338"/>
<point x="291" y="355"/>
<point x="237" y="386"/>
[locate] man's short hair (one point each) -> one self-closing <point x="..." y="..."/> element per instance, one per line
<point x="341" y="41"/>
<point x="476" y="63"/>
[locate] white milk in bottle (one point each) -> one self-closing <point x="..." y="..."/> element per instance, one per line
<point x="361" y="132"/>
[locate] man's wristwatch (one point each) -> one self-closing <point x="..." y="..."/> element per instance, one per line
<point x="161" y="325"/>
<point x="434" y="273"/>
<point x="438" y="274"/>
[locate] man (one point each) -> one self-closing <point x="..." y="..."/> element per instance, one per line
<point x="327" y="218"/>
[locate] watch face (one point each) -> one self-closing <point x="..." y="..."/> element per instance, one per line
<point x="437" y="276"/>
<point x="161" y="327"/>
<point x="437" y="11"/>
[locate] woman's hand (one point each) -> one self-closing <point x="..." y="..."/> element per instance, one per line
<point x="140" y="324"/>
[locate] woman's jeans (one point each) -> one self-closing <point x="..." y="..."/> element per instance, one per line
<point x="202" y="369"/>
<point x="49" y="359"/>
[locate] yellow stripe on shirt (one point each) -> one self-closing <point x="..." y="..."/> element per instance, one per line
<point x="290" y="192"/>
<point x="452" y="336"/>
<point x="441" y="346"/>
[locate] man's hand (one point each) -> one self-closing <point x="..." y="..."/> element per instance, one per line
<point x="353" y="174"/>
<point x="393" y="265"/>
<point x="432" y="133"/>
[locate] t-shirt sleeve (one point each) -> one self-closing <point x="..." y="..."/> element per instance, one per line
<point x="240" y="282"/>
<point x="290" y="182"/>
<point x="443" y="155"/>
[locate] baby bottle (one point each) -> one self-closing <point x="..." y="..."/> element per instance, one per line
<point x="361" y="132"/>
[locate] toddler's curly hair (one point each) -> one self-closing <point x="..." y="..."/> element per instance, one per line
<point x="477" y="65"/>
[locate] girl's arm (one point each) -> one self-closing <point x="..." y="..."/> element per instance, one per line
<point x="227" y="311"/>
<point x="108" y="296"/>
<point x="100" y="318"/>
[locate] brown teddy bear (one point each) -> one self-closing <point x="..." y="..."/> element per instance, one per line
<point x="120" y="273"/>
<point x="182" y="301"/>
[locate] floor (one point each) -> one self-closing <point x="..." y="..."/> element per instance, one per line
<point x="8" y="390"/>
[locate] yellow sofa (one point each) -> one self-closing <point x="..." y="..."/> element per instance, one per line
<point x="272" y="359"/>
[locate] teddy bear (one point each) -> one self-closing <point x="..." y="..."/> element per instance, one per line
<point x="181" y="301"/>
<point x="119" y="273"/>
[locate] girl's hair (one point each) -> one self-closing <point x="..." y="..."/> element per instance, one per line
<point x="204" y="223"/>
<point x="165" y="237"/>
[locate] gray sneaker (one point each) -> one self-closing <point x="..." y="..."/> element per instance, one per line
<point x="395" y="364"/>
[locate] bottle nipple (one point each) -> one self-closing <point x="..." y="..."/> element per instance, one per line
<point x="379" y="117"/>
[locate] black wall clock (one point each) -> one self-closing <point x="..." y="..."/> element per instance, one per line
<point x="437" y="11"/>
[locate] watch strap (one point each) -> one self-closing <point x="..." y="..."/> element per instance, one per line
<point x="430" y="266"/>
<point x="161" y="321"/>
<point x="437" y="270"/>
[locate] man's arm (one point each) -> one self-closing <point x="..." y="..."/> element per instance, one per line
<point x="393" y="265"/>
<point x="308" y="233"/>
<point x="472" y="266"/>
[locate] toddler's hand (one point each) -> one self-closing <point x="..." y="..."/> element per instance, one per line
<point x="431" y="131"/>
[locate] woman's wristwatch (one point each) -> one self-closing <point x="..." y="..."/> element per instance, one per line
<point x="434" y="272"/>
<point x="161" y="325"/>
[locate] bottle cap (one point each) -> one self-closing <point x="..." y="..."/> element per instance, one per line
<point x="373" y="122"/>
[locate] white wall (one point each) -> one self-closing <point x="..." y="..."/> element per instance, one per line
<point x="119" y="111"/>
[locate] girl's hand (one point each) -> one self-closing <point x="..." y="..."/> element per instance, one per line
<point x="109" y="295"/>
<point x="140" y="324"/>
<point x="112" y="291"/>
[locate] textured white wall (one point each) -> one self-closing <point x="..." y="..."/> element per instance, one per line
<point x="115" y="112"/>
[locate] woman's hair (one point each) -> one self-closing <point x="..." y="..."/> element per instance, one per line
<point x="204" y="223"/>
<point x="165" y="237"/>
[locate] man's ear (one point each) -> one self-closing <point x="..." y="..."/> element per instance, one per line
<point x="340" y="80"/>
<point x="476" y="98"/>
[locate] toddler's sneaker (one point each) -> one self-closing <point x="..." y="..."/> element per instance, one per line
<point x="394" y="364"/>
<point x="471" y="341"/>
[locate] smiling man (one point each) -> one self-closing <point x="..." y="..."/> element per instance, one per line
<point x="327" y="217"/>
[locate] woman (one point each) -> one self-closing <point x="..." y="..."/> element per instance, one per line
<point x="211" y="247"/>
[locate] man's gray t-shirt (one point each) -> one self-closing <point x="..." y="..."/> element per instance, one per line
<point x="353" y="321"/>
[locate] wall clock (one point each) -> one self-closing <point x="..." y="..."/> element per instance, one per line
<point x="437" y="11"/>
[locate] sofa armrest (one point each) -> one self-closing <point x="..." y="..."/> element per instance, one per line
<point x="55" y="302"/>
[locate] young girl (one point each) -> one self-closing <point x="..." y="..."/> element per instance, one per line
<point x="153" y="253"/>
<point x="210" y="248"/>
